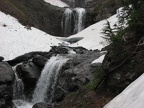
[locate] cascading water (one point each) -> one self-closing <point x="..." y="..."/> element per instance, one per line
<point x="18" y="88"/>
<point x="79" y="18"/>
<point x="73" y="21"/>
<point x="46" y="84"/>
<point x="47" y="81"/>
<point x="67" y="22"/>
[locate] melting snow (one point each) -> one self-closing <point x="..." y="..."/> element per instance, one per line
<point x="16" y="40"/>
<point x="58" y="3"/>
<point x="131" y="97"/>
<point x="99" y="60"/>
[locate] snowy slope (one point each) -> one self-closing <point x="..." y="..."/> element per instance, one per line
<point x="93" y="35"/>
<point x="58" y="3"/>
<point x="131" y="97"/>
<point x="16" y="40"/>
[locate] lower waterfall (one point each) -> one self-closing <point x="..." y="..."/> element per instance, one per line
<point x="48" y="79"/>
<point x="46" y="84"/>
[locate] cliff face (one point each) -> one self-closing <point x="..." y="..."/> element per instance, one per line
<point x="35" y="13"/>
<point x="100" y="9"/>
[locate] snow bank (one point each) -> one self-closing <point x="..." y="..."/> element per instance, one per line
<point x="58" y="3"/>
<point x="99" y="60"/>
<point x="16" y="39"/>
<point x="131" y="97"/>
<point x="93" y="35"/>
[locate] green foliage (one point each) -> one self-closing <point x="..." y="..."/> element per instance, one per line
<point x="114" y="37"/>
<point x="98" y="76"/>
<point x="136" y="22"/>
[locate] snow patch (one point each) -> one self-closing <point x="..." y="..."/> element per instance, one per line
<point x="99" y="60"/>
<point x="16" y="39"/>
<point x="58" y="3"/>
<point x="131" y="97"/>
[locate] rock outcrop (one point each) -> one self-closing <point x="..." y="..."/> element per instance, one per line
<point x="6" y="85"/>
<point x="76" y="72"/>
<point x="41" y="105"/>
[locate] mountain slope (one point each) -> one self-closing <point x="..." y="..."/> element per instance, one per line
<point x="36" y="13"/>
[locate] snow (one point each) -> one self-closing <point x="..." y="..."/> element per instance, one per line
<point x="99" y="60"/>
<point x="16" y="40"/>
<point x="131" y="97"/>
<point x="58" y="3"/>
<point x="92" y="35"/>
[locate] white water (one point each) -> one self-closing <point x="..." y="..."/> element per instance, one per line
<point x="67" y="22"/>
<point x="79" y="17"/>
<point x="48" y="79"/>
<point x="46" y="84"/>
<point x="73" y="21"/>
<point x="18" y="88"/>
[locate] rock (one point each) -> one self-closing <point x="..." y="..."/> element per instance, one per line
<point x="59" y="50"/>
<point x="98" y="10"/>
<point x="6" y="73"/>
<point x="81" y="67"/>
<point x="1" y="58"/>
<point x="39" y="60"/>
<point x="6" y="88"/>
<point x="25" y="57"/>
<point x="29" y="73"/>
<point x="75" y="73"/>
<point x="59" y="94"/>
<point x="2" y="103"/>
<point x="41" y="105"/>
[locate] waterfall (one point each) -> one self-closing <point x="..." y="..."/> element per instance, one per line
<point x="45" y="87"/>
<point x="79" y="18"/>
<point x="73" y="21"/>
<point x="48" y="79"/>
<point x="18" y="88"/>
<point x="67" y="22"/>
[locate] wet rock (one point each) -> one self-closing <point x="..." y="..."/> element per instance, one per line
<point x="6" y="88"/>
<point x="59" y="94"/>
<point x="6" y="73"/>
<point x="29" y="73"/>
<point x="1" y="58"/>
<point x="39" y="60"/>
<point x="24" y="57"/>
<point x="59" y="50"/>
<point x="41" y="105"/>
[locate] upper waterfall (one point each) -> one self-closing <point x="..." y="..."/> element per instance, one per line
<point x="73" y="21"/>
<point x="67" y="22"/>
<point x="79" y="17"/>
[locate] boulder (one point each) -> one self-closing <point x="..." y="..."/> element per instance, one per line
<point x="41" y="105"/>
<point x="29" y="73"/>
<point x="59" y="94"/>
<point x="6" y="88"/>
<point x="1" y="58"/>
<point x="39" y="60"/>
<point x="6" y="73"/>
<point x="25" y="57"/>
<point x="78" y="72"/>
